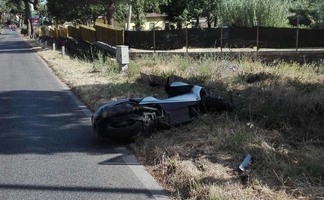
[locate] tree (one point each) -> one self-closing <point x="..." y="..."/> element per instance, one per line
<point x="121" y="12"/>
<point x="83" y="10"/>
<point x="318" y="15"/>
<point x="12" y="7"/>
<point x="178" y="12"/>
<point x="23" y="6"/>
<point x="308" y="13"/>
<point x="141" y="7"/>
<point x="252" y="12"/>
<point x="196" y="9"/>
<point x="110" y="9"/>
<point x="204" y="8"/>
<point x="301" y="17"/>
<point x="211" y="11"/>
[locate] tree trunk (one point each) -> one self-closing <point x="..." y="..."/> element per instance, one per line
<point x="197" y="22"/>
<point x="215" y="21"/>
<point x="209" y="21"/>
<point x="110" y="11"/>
<point x="94" y="18"/>
<point x="30" y="30"/>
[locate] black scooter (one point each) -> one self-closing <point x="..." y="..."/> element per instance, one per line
<point x="127" y="118"/>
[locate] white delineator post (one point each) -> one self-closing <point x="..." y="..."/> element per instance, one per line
<point x="63" y="51"/>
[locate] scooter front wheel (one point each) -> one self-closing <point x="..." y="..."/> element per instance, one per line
<point x="105" y="129"/>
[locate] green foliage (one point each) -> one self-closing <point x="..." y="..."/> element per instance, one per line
<point x="278" y="13"/>
<point x="308" y="13"/>
<point x="141" y="7"/>
<point x="121" y="12"/>
<point x="230" y="12"/>
<point x="12" y="6"/>
<point x="251" y="13"/>
<point x="83" y="12"/>
<point x="178" y="12"/>
<point x="301" y="16"/>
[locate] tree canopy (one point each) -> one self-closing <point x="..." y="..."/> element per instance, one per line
<point x="80" y="11"/>
<point x="279" y="13"/>
<point x="307" y="13"/>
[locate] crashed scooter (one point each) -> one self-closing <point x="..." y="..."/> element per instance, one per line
<point x="127" y="118"/>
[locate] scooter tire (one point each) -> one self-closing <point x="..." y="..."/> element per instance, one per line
<point x="105" y="129"/>
<point x="126" y="133"/>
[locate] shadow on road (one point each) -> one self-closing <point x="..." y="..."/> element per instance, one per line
<point x="74" y="189"/>
<point x="45" y="122"/>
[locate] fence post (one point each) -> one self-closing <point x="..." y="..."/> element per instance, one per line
<point x="187" y="40"/>
<point x="123" y="36"/>
<point x="221" y="38"/>
<point x="297" y="33"/>
<point x="257" y="37"/>
<point x="116" y="37"/>
<point x="154" y="44"/>
<point x="96" y="37"/>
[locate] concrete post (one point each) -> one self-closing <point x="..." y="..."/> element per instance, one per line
<point x="122" y="57"/>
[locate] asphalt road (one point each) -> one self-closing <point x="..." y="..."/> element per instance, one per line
<point x="47" y="148"/>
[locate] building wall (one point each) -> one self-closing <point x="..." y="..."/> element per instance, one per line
<point x="157" y="22"/>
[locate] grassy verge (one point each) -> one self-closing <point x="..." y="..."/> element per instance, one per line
<point x="278" y="120"/>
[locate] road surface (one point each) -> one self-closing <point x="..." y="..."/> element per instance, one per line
<point x="47" y="148"/>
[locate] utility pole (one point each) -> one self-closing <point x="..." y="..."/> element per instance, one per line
<point x="129" y="14"/>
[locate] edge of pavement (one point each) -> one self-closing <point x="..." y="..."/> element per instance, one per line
<point x="129" y="158"/>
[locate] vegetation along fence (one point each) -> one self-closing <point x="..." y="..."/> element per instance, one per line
<point x="231" y="37"/>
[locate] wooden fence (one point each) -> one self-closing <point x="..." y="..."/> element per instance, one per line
<point x="87" y="33"/>
<point x="90" y="34"/>
<point x="109" y="36"/>
<point x="231" y="37"/>
<point x="74" y="32"/>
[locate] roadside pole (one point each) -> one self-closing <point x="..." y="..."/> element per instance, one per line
<point x="257" y="36"/>
<point x="154" y="44"/>
<point x="297" y="33"/>
<point x="187" y="39"/>
<point x="221" y="38"/>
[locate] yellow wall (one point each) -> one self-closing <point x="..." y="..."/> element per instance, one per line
<point x="158" y="21"/>
<point x="116" y="25"/>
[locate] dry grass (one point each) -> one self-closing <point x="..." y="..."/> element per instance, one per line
<point x="279" y="120"/>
